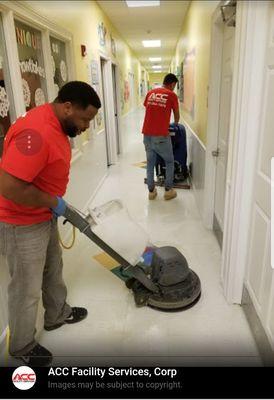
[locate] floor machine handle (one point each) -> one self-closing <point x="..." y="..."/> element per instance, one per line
<point x="83" y="225"/>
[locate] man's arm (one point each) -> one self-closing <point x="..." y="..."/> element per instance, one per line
<point x="176" y="116"/>
<point x="24" y="193"/>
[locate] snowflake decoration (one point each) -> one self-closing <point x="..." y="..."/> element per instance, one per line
<point x="53" y="65"/>
<point x="39" y="97"/>
<point x="4" y="103"/>
<point x="63" y="70"/>
<point x="26" y="92"/>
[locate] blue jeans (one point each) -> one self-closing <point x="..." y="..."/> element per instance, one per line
<point x="162" y="146"/>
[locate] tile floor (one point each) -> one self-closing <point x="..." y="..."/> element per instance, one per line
<point x="212" y="333"/>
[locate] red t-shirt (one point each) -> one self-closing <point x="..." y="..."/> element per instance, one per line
<point x="159" y="102"/>
<point x="36" y="150"/>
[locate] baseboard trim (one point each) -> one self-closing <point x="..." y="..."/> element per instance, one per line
<point x="257" y="329"/>
<point x="218" y="231"/>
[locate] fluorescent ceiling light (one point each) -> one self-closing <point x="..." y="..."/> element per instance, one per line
<point x="156" y="72"/>
<point x="156" y="66"/>
<point x="140" y="3"/>
<point x="155" y="59"/>
<point x="151" y="43"/>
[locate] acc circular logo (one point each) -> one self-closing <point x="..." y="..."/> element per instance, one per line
<point x="23" y="378"/>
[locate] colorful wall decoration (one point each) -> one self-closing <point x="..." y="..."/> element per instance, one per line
<point x="189" y="82"/>
<point x="113" y="46"/>
<point x="126" y="91"/>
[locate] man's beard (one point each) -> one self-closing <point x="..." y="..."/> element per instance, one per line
<point x="70" y="129"/>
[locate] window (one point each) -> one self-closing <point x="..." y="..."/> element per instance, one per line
<point x="59" y="63"/>
<point x="29" y="43"/>
<point x="5" y="100"/>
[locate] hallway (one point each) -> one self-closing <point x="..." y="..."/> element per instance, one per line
<point x="212" y="333"/>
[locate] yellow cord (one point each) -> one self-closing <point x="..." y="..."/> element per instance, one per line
<point x="73" y="239"/>
<point x="7" y="346"/>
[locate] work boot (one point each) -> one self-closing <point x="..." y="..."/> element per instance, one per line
<point x="170" y="194"/>
<point x="39" y="356"/>
<point x="77" y="314"/>
<point x="153" y="194"/>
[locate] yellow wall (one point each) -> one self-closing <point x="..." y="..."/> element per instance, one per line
<point x="196" y="33"/>
<point x="82" y="18"/>
<point x="156" y="78"/>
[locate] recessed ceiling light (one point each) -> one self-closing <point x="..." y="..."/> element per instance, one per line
<point x="151" y="43"/>
<point x="157" y="72"/>
<point x="140" y="3"/>
<point x="155" y="59"/>
<point x="156" y="66"/>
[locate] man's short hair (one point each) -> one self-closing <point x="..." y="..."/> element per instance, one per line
<point x="170" y="78"/>
<point x="78" y="93"/>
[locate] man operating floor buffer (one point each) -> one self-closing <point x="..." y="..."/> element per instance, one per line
<point x="160" y="277"/>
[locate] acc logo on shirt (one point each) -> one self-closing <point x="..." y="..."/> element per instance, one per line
<point x="23" y="378"/>
<point x="158" y="97"/>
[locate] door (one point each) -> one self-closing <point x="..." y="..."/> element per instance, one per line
<point x="104" y="105"/>
<point x="223" y="130"/>
<point x="115" y="102"/>
<point x="259" y="275"/>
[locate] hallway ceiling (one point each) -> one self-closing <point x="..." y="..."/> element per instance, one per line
<point x="148" y="23"/>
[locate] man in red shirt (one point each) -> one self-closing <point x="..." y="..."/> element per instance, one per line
<point x="159" y="103"/>
<point x="34" y="173"/>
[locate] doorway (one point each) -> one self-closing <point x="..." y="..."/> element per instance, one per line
<point x="116" y="109"/>
<point x="221" y="152"/>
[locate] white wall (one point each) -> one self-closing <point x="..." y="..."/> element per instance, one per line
<point x="197" y="158"/>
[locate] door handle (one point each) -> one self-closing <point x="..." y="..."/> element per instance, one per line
<point x="215" y="153"/>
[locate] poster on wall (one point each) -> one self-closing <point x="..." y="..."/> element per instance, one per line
<point x="113" y="46"/>
<point x="29" y="43"/>
<point x="181" y="83"/>
<point x="126" y="91"/>
<point x="58" y="63"/>
<point x="189" y="82"/>
<point x="102" y="34"/>
<point x="94" y="72"/>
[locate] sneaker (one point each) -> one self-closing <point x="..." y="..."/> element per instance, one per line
<point x="170" y="194"/>
<point x="77" y="314"/>
<point x="39" y="356"/>
<point x="152" y="195"/>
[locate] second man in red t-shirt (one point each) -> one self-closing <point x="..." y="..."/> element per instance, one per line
<point x="159" y="103"/>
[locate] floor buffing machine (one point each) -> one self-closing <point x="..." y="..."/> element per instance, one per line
<point x="165" y="282"/>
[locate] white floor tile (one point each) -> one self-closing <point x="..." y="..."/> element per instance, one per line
<point x="116" y="332"/>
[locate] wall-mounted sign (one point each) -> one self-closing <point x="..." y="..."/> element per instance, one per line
<point x="180" y="76"/>
<point x="27" y="38"/>
<point x="94" y="72"/>
<point x="102" y="34"/>
<point x="126" y="91"/>
<point x="58" y="62"/>
<point x="113" y="46"/>
<point x="189" y="82"/>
